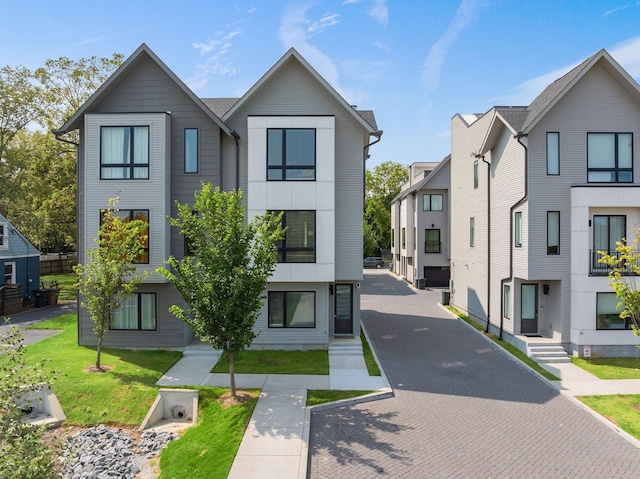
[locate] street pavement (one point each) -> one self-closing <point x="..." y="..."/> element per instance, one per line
<point x="35" y="315"/>
<point x="462" y="408"/>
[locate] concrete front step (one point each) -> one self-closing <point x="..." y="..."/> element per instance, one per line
<point x="548" y="353"/>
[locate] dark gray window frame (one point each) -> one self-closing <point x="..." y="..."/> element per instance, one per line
<point x="616" y="169"/>
<point x="627" y="321"/>
<point x="284" y="310"/>
<point x="557" y="135"/>
<point x="517" y="237"/>
<point x="475" y="175"/>
<point x="431" y="195"/>
<point x="197" y="151"/>
<point x="131" y="165"/>
<point x="138" y="296"/>
<point x="283" y="249"/>
<point x="132" y="217"/>
<point x="426" y="242"/>
<point x="283" y="166"/>
<point x="549" y="247"/>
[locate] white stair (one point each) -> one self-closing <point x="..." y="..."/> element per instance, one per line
<point x="548" y="353"/>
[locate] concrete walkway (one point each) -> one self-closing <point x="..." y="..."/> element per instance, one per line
<point x="275" y="443"/>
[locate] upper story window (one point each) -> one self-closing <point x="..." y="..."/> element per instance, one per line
<point x="506" y="301"/>
<point x="393" y="238"/>
<point x="124" y="152"/>
<point x="472" y="232"/>
<point x="129" y="215"/>
<point x="553" y="153"/>
<point x="609" y="157"/>
<point x="291" y="154"/>
<point x="404" y="238"/>
<point x="432" y="241"/>
<point x="190" y="150"/>
<point x="518" y="227"/>
<point x="475" y="174"/>
<point x="4" y="236"/>
<point x="432" y="202"/>
<point x="299" y="243"/>
<point x="553" y="232"/>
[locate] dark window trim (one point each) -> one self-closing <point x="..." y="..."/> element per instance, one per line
<point x="517" y="236"/>
<point x="284" y="310"/>
<point x="615" y="169"/>
<point x="283" y="249"/>
<point x="506" y="301"/>
<point x="627" y="321"/>
<point x="549" y="251"/>
<point x="283" y="167"/>
<point x="475" y="175"/>
<point x="132" y="166"/>
<point x="139" y="298"/>
<point x="404" y="238"/>
<point x="197" y="130"/>
<point x="612" y="247"/>
<point x="472" y="232"/>
<point x="433" y="243"/>
<point x="131" y="217"/>
<point x="558" y="153"/>
<point x="431" y="195"/>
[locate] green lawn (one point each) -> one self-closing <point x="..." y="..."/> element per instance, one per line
<point x="321" y="396"/>
<point x="66" y="282"/>
<point x="622" y="410"/>
<point x="370" y="361"/>
<point x="122" y="395"/>
<point x="610" y="368"/>
<point x="505" y="345"/>
<point x="277" y="362"/>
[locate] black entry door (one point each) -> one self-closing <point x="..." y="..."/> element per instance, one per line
<point x="529" y="309"/>
<point x="343" y="320"/>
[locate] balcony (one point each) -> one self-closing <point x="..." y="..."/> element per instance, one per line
<point x="599" y="269"/>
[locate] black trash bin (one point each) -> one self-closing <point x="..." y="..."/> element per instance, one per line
<point x="41" y="297"/>
<point x="446" y="297"/>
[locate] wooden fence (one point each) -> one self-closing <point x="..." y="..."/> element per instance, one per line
<point x="52" y="264"/>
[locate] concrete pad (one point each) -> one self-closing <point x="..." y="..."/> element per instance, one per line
<point x="568" y="372"/>
<point x="281" y="467"/>
<point x="277" y="417"/>
<point x="182" y="379"/>
<point x="286" y="441"/>
<point x="598" y="387"/>
<point x="362" y="383"/>
<point x="295" y="381"/>
<point x="243" y="381"/>
<point x="349" y="372"/>
<point x="284" y="397"/>
<point x="346" y="362"/>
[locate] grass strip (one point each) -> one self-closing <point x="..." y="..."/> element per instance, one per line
<point x="510" y="348"/>
<point x="321" y="396"/>
<point x="276" y="362"/>
<point x="622" y="410"/>
<point x="610" y="368"/>
<point x="207" y="450"/>
<point x="122" y="395"/>
<point x="369" y="359"/>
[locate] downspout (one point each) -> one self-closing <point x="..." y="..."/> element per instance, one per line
<point x="486" y="330"/>
<point x="365" y="155"/>
<point x="236" y="138"/>
<point x="518" y="137"/>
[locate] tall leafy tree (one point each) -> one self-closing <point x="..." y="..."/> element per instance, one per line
<point x="224" y="279"/>
<point x="624" y="267"/>
<point x="108" y="279"/>
<point x="383" y="183"/>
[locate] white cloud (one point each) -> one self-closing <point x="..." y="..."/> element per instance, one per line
<point x="616" y="9"/>
<point x="379" y="12"/>
<point x="626" y="53"/>
<point x="216" y="62"/>
<point x="466" y="13"/>
<point x="350" y="2"/>
<point x="326" y="21"/>
<point x="293" y="32"/>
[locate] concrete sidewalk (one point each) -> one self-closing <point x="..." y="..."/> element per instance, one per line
<point x="575" y="381"/>
<point x="275" y="443"/>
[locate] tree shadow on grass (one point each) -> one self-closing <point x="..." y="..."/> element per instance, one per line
<point x="350" y="435"/>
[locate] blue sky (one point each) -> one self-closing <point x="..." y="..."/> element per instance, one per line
<point x="415" y="63"/>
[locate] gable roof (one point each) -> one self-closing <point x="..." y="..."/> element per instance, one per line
<point x="421" y="184"/>
<point x="136" y="57"/>
<point x="363" y="117"/>
<point x="14" y="251"/>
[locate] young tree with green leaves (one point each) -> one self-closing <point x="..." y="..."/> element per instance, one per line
<point x="23" y="453"/>
<point x="109" y="277"/>
<point x="624" y="270"/>
<point x="223" y="281"/>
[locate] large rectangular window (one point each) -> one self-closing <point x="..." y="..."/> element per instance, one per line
<point x="299" y="243"/>
<point x="610" y="157"/>
<point x="607" y="231"/>
<point x="124" y="152"/>
<point x="518" y="227"/>
<point x="553" y="153"/>
<point x="292" y="309"/>
<point x="608" y="314"/>
<point x="553" y="232"/>
<point x="472" y="232"/>
<point x="137" y="313"/>
<point x="291" y="154"/>
<point x="4" y="236"/>
<point x="404" y="238"/>
<point x="142" y="215"/>
<point x="506" y="301"/>
<point x="432" y="202"/>
<point x="190" y="150"/>
<point x="432" y="241"/>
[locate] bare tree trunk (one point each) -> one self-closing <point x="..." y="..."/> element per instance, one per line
<point x="232" y="376"/>
<point x="98" y="356"/>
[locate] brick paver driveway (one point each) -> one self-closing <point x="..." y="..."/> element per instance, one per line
<point x="462" y="409"/>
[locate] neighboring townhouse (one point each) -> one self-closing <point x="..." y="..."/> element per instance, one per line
<point x="291" y="143"/>
<point x="420" y="225"/>
<point x="536" y="192"/>
<point x="19" y="260"/>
